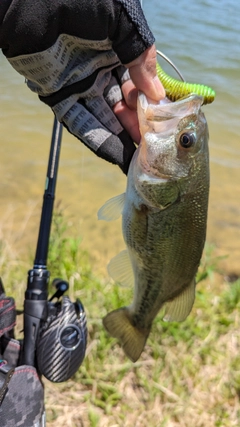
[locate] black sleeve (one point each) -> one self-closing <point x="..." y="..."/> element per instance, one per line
<point x="29" y="26"/>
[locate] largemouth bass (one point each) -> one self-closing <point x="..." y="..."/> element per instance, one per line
<point x="164" y="217"/>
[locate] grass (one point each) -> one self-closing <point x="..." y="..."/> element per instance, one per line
<point x="188" y="374"/>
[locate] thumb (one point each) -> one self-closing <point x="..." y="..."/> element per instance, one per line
<point x="144" y="75"/>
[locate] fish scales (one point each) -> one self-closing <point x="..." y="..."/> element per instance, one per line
<point x="167" y="235"/>
<point x="164" y="219"/>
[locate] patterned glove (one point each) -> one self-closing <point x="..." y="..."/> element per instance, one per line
<point x="89" y="116"/>
<point x="71" y="54"/>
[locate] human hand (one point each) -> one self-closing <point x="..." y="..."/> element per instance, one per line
<point x="104" y="116"/>
<point x="143" y="77"/>
<point x="115" y="92"/>
<point x="79" y="67"/>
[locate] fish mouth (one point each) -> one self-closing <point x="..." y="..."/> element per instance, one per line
<point x="166" y="110"/>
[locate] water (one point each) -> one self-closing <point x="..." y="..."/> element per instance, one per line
<point x="203" y="39"/>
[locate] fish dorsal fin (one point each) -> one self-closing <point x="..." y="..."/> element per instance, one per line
<point x="120" y="269"/>
<point x="179" y="308"/>
<point x="112" y="209"/>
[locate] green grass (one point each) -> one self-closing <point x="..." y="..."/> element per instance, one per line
<point x="188" y="374"/>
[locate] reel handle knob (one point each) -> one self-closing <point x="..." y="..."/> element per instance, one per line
<point x="61" y="287"/>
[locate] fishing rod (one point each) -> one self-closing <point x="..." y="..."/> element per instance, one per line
<point x="55" y="331"/>
<point x="36" y="295"/>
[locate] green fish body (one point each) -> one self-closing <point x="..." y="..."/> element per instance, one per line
<point x="164" y="217"/>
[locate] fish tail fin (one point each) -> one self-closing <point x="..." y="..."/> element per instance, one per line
<point x="118" y="324"/>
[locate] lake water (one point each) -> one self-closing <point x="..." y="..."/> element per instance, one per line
<point x="203" y="39"/>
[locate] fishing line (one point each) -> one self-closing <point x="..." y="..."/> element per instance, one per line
<point x="171" y="63"/>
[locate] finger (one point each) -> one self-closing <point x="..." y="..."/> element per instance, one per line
<point x="103" y="113"/>
<point x="129" y="120"/>
<point x="113" y="118"/>
<point x="144" y="75"/>
<point x="114" y="95"/>
<point x="116" y="149"/>
<point x="130" y="94"/>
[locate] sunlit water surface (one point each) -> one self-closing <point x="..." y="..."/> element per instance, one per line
<point x="203" y="39"/>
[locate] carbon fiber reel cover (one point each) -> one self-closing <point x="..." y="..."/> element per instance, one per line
<point x="62" y="341"/>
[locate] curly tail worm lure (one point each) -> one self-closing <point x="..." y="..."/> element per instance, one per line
<point x="176" y="89"/>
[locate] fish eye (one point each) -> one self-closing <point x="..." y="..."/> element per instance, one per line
<point x="187" y="139"/>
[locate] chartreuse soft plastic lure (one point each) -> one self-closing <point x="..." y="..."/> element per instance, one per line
<point x="176" y="89"/>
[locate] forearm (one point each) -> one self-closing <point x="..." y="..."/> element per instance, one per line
<point x="29" y="27"/>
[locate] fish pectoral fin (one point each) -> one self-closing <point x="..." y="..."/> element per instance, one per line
<point x="120" y="269"/>
<point x="112" y="209"/>
<point x="118" y="324"/>
<point x="179" y="308"/>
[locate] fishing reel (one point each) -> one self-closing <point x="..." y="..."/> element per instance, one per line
<point x="62" y="338"/>
<point x="55" y="330"/>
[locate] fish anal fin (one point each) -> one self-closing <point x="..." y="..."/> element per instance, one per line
<point x="118" y="324"/>
<point x="120" y="269"/>
<point x="112" y="209"/>
<point x="179" y="308"/>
